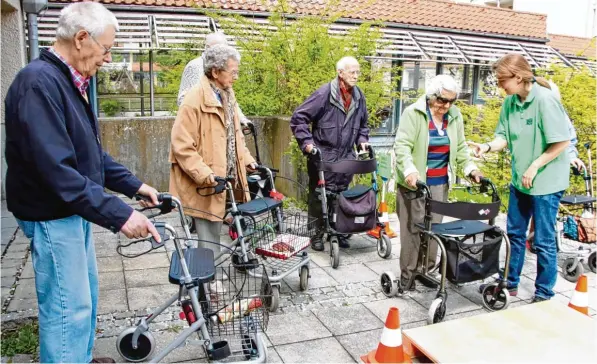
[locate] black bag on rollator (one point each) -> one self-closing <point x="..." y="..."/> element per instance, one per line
<point x="355" y="210"/>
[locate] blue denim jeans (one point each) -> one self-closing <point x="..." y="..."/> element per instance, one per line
<point x="543" y="209"/>
<point x="66" y="282"/>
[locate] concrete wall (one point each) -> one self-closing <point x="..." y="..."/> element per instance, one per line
<point x="13" y="58"/>
<point x="142" y="145"/>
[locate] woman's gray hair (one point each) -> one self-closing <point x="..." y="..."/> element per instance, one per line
<point x="442" y="82"/>
<point x="216" y="58"/>
<point x="90" y="16"/>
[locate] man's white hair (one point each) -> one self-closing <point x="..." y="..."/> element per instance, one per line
<point x="90" y="16"/>
<point x="215" y="38"/>
<point x="442" y="82"/>
<point x="346" y="61"/>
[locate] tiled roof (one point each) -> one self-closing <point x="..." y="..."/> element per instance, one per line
<point x="573" y="46"/>
<point x="429" y="13"/>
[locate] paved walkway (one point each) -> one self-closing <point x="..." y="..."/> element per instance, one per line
<point x="338" y="319"/>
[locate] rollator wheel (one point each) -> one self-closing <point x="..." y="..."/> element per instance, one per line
<point x="592" y="261"/>
<point x="145" y="345"/>
<point x="494" y="299"/>
<point x="384" y="246"/>
<point x="389" y="284"/>
<point x="275" y="298"/>
<point x="437" y="311"/>
<point x="335" y="252"/>
<point x="304" y="275"/>
<point x="569" y="274"/>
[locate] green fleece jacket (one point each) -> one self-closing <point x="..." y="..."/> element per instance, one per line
<point x="412" y="143"/>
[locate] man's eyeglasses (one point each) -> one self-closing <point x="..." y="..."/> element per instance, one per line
<point x="443" y="100"/>
<point x="106" y="50"/>
<point x="353" y="73"/>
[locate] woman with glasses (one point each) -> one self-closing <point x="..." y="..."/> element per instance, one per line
<point x="430" y="146"/>
<point x="207" y="142"/>
<point x="534" y="127"/>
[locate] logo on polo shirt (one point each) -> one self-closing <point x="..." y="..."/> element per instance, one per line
<point x="530" y="121"/>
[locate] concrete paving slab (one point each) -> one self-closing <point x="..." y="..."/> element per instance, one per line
<point x="562" y="285"/>
<point x="18" y="248"/>
<point x="109" y="264"/>
<point x="9" y="255"/>
<point x="455" y="304"/>
<point x="526" y="288"/>
<point x="322" y="259"/>
<point x="351" y="273"/>
<point x="326" y="350"/>
<point x="146" y="277"/>
<point x="19" y="305"/>
<point x="8" y="273"/>
<point x="409" y="309"/>
<point x="149" y="297"/>
<point x="318" y="278"/>
<point x="384" y="265"/>
<point x="111" y="280"/>
<point x="7" y="234"/>
<point x="113" y="300"/>
<point x="147" y="261"/>
<point x="360" y="343"/>
<point x="369" y="254"/>
<point x="348" y="319"/>
<point x="105" y="245"/>
<point x="295" y="327"/>
<point x="11" y="263"/>
<point x="25" y="289"/>
<point x="27" y="271"/>
<point x="8" y="222"/>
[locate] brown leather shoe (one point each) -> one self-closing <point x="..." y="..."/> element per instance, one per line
<point x="102" y="360"/>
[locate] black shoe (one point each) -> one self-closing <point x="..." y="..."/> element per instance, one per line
<point x="343" y="242"/>
<point x="427" y="282"/>
<point x="402" y="288"/>
<point x="539" y="299"/>
<point x="317" y="244"/>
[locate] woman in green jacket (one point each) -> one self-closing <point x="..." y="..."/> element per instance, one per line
<point x="430" y="146"/>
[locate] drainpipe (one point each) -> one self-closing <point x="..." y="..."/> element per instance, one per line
<point x="32" y="8"/>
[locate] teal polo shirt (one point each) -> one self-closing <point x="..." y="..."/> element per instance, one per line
<point x="530" y="127"/>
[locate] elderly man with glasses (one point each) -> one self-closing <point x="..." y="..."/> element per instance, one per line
<point x="334" y="119"/>
<point x="430" y="146"/>
<point x="57" y="172"/>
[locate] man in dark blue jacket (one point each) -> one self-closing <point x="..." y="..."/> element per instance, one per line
<point x="337" y="113"/>
<point x="56" y="176"/>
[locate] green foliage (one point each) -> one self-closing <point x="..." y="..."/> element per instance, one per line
<point x="23" y="340"/>
<point x="110" y="107"/>
<point x="286" y="61"/>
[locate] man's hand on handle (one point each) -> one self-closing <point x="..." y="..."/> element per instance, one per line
<point x="138" y="226"/>
<point x="309" y="148"/>
<point x="150" y="192"/>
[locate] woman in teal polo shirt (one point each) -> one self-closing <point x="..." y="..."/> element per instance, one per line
<point x="533" y="126"/>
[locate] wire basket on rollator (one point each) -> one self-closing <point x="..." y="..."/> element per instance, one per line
<point x="285" y="238"/>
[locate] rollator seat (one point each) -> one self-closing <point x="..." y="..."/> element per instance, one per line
<point x="459" y="228"/>
<point x="200" y="262"/>
<point x="577" y="200"/>
<point x="258" y="206"/>
<point x="356" y="191"/>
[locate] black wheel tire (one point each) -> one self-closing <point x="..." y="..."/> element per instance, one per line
<point x="335" y="253"/>
<point x="384" y="246"/>
<point x="592" y="262"/>
<point x="143" y="351"/>
<point x="572" y="275"/>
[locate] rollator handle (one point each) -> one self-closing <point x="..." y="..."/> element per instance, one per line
<point x="420" y="184"/>
<point x="165" y="206"/>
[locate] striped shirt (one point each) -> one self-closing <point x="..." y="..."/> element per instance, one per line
<point x="438" y="153"/>
<point x="81" y="82"/>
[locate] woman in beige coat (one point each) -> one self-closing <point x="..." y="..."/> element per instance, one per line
<point x="207" y="141"/>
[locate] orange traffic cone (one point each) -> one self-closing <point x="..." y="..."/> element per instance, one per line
<point x="383" y="218"/>
<point x="390" y="348"/>
<point x="580" y="296"/>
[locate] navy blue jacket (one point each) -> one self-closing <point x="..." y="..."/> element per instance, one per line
<point x="322" y="121"/>
<point x="56" y="165"/>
